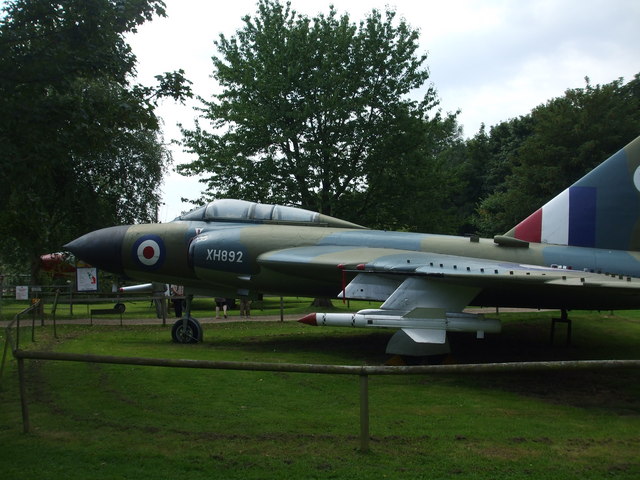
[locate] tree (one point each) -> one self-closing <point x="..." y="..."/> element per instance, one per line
<point x="80" y="145"/>
<point x="489" y="162"/>
<point x="313" y="112"/>
<point x="414" y="186"/>
<point x="561" y="141"/>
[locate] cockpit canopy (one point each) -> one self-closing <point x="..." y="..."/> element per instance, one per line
<point x="230" y="210"/>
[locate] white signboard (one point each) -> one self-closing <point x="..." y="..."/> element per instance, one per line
<point x="87" y="279"/>
<point x="22" y="292"/>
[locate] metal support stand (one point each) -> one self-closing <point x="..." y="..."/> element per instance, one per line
<point x="281" y="309"/>
<point x="564" y="318"/>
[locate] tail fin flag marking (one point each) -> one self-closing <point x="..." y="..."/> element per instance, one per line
<point x="600" y="210"/>
<point x="530" y="229"/>
<point x="582" y="216"/>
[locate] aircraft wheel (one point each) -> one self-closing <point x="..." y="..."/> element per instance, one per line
<point x="192" y="333"/>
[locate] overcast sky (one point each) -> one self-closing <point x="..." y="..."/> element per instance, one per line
<point x="492" y="59"/>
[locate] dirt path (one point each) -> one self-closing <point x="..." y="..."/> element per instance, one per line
<point x="115" y="320"/>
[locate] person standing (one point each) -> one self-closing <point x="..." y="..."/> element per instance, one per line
<point x="221" y="303"/>
<point x="245" y="306"/>
<point x="177" y="298"/>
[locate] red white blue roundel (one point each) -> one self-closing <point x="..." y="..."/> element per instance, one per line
<point x="148" y="251"/>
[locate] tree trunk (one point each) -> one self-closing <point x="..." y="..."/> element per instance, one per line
<point x="322" y="302"/>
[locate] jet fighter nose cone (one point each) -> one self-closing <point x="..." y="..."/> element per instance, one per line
<point x="101" y="248"/>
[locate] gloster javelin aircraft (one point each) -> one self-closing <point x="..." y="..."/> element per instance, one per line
<point x="579" y="251"/>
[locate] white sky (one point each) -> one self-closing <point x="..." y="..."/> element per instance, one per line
<point x="492" y="59"/>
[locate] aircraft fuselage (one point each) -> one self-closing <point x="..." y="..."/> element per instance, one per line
<point x="235" y="258"/>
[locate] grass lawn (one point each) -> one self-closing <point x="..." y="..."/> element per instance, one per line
<point x="131" y="422"/>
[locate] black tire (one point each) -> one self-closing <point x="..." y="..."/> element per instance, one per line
<point x="191" y="334"/>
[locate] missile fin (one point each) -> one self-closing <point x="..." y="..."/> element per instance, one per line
<point x="426" y="312"/>
<point x="426" y="335"/>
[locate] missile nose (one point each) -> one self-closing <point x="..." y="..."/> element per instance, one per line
<point x="101" y="248"/>
<point x="309" y="319"/>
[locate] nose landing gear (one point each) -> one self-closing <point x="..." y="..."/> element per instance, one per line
<point x="187" y="329"/>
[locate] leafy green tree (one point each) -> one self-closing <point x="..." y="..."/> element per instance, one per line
<point x="558" y="143"/>
<point x="79" y="144"/>
<point x="315" y="112"/>
<point x="415" y="185"/>
<point x="489" y="162"/>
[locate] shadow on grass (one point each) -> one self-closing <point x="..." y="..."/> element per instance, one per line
<point x="529" y="340"/>
<point x="358" y="347"/>
<point x="522" y="340"/>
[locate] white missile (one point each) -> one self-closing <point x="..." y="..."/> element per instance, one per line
<point x="419" y="318"/>
<point x="143" y="287"/>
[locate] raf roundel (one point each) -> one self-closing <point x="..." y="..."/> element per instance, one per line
<point x="148" y="251"/>
<point x="636" y="179"/>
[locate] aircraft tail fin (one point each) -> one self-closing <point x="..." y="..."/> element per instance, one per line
<point x="601" y="210"/>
